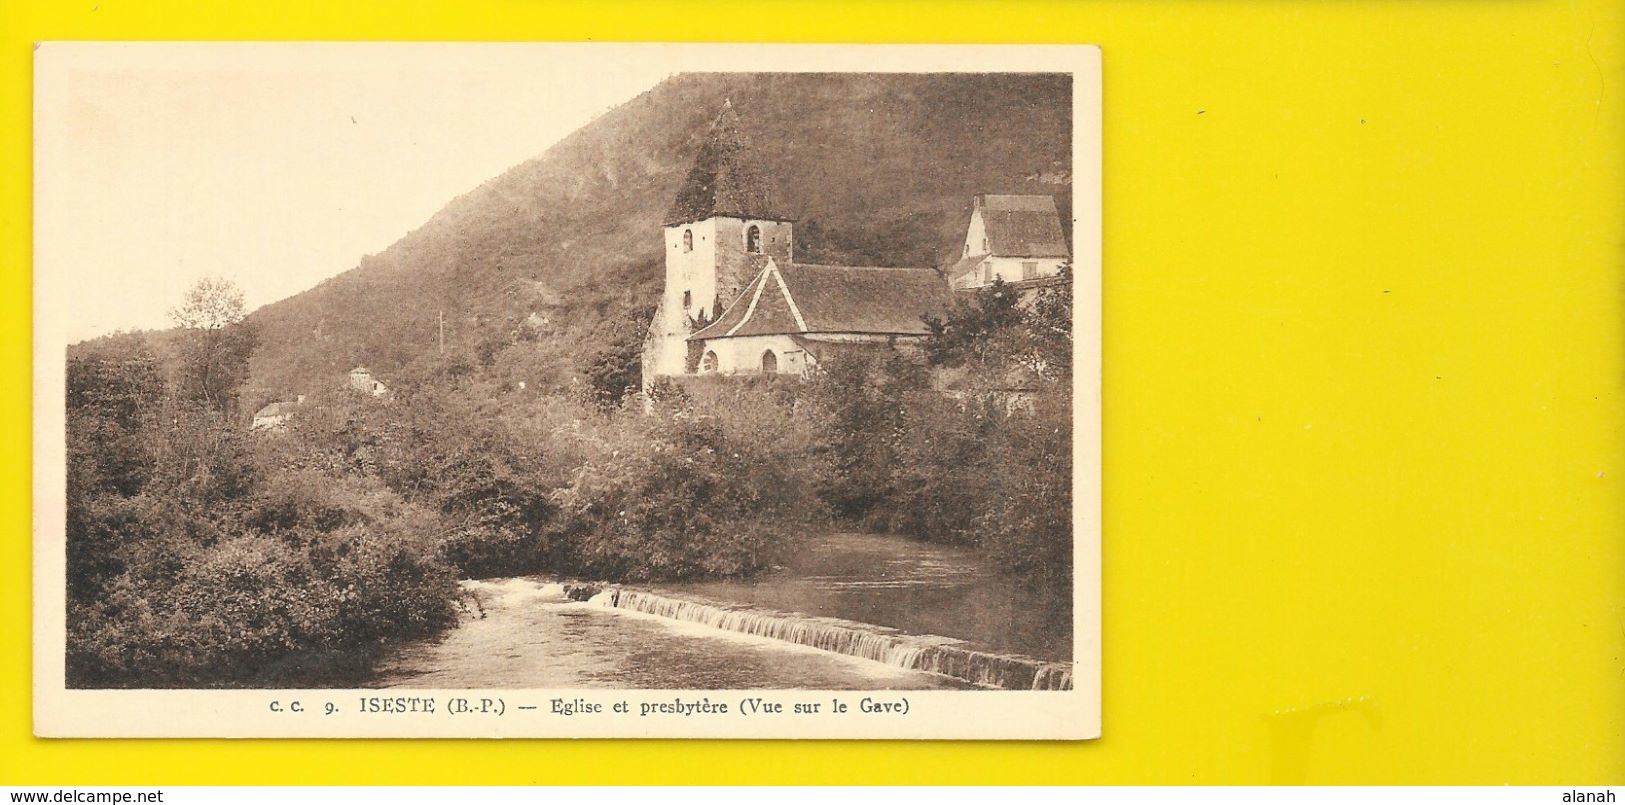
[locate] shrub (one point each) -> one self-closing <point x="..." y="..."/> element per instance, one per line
<point x="679" y="496"/>
<point x="260" y="610"/>
<point x="446" y="455"/>
<point x="943" y="477"/>
<point x="615" y="370"/>
<point x="1026" y="526"/>
<point x="384" y="590"/>
<point x="861" y="397"/>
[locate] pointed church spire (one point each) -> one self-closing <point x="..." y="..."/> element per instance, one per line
<point x="725" y="178"/>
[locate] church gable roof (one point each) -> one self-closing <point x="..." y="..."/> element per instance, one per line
<point x="801" y="298"/>
<point x="762" y="308"/>
<point x="725" y="179"/>
<point x="859" y="299"/>
<point x="1022" y="226"/>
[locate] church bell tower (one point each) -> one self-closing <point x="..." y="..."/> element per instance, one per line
<point x="721" y="230"/>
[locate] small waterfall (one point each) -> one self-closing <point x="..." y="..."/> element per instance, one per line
<point x="516" y="590"/>
<point x="939" y="655"/>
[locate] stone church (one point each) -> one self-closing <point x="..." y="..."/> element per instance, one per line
<point x="737" y="302"/>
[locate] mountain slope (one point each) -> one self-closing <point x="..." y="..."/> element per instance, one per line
<point x="536" y="267"/>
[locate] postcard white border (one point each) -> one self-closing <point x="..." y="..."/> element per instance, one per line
<point x="1074" y="714"/>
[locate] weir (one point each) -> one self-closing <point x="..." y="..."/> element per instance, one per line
<point x="930" y="653"/>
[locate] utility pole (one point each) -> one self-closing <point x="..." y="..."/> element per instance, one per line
<point x="442" y="332"/>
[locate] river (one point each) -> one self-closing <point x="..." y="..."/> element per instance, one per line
<point x="850" y="612"/>
<point x="916" y="587"/>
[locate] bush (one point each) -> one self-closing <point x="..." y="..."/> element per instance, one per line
<point x="943" y="477"/>
<point x="616" y="370"/>
<point x="260" y="610"/>
<point x="684" y="495"/>
<point x="383" y="590"/>
<point x="201" y="557"/>
<point x="444" y="455"/>
<point x="862" y="401"/>
<point x="1026" y="524"/>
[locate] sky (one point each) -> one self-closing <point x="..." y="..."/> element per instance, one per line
<point x="274" y="166"/>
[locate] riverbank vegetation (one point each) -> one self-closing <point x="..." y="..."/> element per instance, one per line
<point x="202" y="553"/>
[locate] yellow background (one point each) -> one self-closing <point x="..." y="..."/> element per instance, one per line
<point x="1364" y="333"/>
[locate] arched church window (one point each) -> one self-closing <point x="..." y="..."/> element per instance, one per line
<point x="708" y="364"/>
<point x="770" y="363"/>
<point x="688" y="240"/>
<point x="753" y="239"/>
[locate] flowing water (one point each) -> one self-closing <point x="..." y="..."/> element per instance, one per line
<point x="527" y="634"/>
<point x="852" y="611"/>
<point x="915" y="587"/>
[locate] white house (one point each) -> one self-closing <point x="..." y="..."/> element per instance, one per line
<point x="1013" y="238"/>
<point x="276" y="415"/>
<point x="361" y="380"/>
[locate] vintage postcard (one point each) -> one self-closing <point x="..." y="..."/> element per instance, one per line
<point x="586" y="390"/>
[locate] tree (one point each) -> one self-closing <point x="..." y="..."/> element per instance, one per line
<point x="615" y="370"/>
<point x="111" y="402"/>
<point x="863" y="397"/>
<point x="1001" y="339"/>
<point x="1048" y="322"/>
<point x="971" y="323"/>
<point x="216" y="343"/>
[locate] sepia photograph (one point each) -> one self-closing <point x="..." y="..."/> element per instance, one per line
<point x="419" y="377"/>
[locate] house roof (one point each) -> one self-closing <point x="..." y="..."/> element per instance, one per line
<point x="964" y="266"/>
<point x="1037" y="283"/>
<point x="1022" y="226"/>
<point x="276" y="409"/>
<point x="724" y="179"/>
<point x="801" y="298"/>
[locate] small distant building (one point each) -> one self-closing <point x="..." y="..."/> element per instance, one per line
<point x="361" y="380"/>
<point x="1014" y="238"/>
<point x="276" y="415"/>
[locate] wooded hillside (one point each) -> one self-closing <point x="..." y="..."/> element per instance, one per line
<point x="879" y="170"/>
